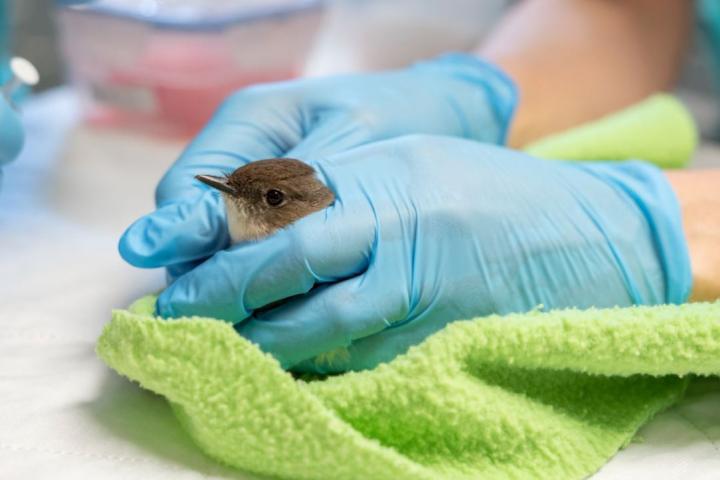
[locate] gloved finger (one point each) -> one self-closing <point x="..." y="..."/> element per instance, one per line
<point x="246" y="130"/>
<point x="325" y="320"/>
<point x="323" y="247"/>
<point x="177" y="270"/>
<point x="249" y="125"/>
<point x="177" y="233"/>
<point x="330" y="133"/>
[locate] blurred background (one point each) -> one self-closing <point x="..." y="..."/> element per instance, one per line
<point x="163" y="65"/>
<point x="35" y="37"/>
<point x="309" y="37"/>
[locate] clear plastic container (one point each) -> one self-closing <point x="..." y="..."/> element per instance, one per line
<point x="164" y="66"/>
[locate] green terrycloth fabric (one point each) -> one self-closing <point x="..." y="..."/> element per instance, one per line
<point x="538" y="395"/>
<point x="658" y="130"/>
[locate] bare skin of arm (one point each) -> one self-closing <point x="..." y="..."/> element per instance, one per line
<point x="578" y="60"/>
<point x="699" y="199"/>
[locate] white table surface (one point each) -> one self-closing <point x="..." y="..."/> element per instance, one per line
<point x="63" y="413"/>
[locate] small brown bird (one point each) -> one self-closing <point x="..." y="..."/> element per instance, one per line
<point x="267" y="195"/>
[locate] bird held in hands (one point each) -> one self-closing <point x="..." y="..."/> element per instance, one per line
<point x="267" y="195"/>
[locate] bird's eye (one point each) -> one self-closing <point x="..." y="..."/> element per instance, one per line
<point x="274" y="197"/>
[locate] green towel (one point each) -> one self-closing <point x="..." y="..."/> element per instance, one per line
<point x="659" y="130"/>
<point x="538" y="395"/>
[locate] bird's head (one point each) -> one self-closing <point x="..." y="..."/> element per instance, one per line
<point x="267" y="195"/>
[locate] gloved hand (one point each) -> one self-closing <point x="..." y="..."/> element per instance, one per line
<point x="428" y="229"/>
<point x="12" y="135"/>
<point x="456" y="95"/>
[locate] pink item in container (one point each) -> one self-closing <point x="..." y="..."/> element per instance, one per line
<point x="169" y="77"/>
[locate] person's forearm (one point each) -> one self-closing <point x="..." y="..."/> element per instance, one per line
<point x="697" y="192"/>
<point x="577" y="60"/>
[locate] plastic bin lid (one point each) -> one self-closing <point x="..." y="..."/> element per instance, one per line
<point x="196" y="14"/>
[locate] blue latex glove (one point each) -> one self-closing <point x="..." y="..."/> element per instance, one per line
<point x="428" y="229"/>
<point x="456" y="95"/>
<point x="12" y="135"/>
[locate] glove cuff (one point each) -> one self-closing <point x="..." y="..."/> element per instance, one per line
<point x="497" y="93"/>
<point x="647" y="186"/>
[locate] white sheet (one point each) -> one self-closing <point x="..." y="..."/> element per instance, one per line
<point x="63" y="414"/>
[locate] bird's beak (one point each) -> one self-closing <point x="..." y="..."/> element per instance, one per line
<point x="220" y="183"/>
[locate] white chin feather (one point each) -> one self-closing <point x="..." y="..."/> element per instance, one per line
<point x="241" y="225"/>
